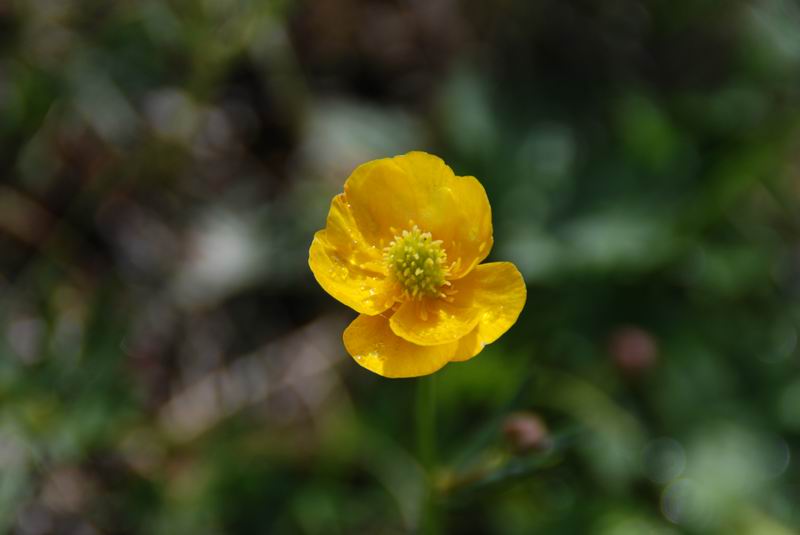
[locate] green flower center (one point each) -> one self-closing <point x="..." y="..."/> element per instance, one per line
<point x="418" y="263"/>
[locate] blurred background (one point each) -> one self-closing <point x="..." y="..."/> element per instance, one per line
<point x="169" y="366"/>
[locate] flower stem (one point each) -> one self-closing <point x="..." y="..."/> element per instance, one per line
<point x="426" y="444"/>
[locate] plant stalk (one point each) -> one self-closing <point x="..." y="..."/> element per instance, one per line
<point x="426" y="445"/>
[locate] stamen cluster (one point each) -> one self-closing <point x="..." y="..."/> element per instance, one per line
<point x="418" y="263"/>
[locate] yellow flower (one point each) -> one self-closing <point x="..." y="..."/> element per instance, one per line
<point x="402" y="246"/>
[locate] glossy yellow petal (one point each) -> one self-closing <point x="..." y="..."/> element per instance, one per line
<point x="468" y="347"/>
<point x="391" y="195"/>
<point x="364" y="291"/>
<point x="500" y="293"/>
<point x="490" y="298"/>
<point x="347" y="267"/>
<point x="436" y="321"/>
<point x="501" y="290"/>
<point x="373" y="345"/>
<point x="342" y="233"/>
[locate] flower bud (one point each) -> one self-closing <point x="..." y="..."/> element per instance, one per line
<point x="633" y="350"/>
<point x="526" y="432"/>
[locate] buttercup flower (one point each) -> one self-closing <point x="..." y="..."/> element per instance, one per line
<point x="403" y="246"/>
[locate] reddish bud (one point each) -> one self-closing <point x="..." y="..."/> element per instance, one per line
<point x="526" y="432"/>
<point x="633" y="350"/>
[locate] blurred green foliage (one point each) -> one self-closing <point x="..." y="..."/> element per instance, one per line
<point x="169" y="366"/>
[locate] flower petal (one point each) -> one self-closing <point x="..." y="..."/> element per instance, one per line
<point x="347" y="267"/>
<point x="500" y="293"/>
<point x="373" y="345"/>
<point x="490" y="298"/>
<point x="390" y="195"/>
<point x="436" y="321"/>
<point x="468" y="347"/>
<point x="342" y="232"/>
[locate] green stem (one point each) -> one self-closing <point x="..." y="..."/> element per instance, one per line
<point x="426" y="444"/>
